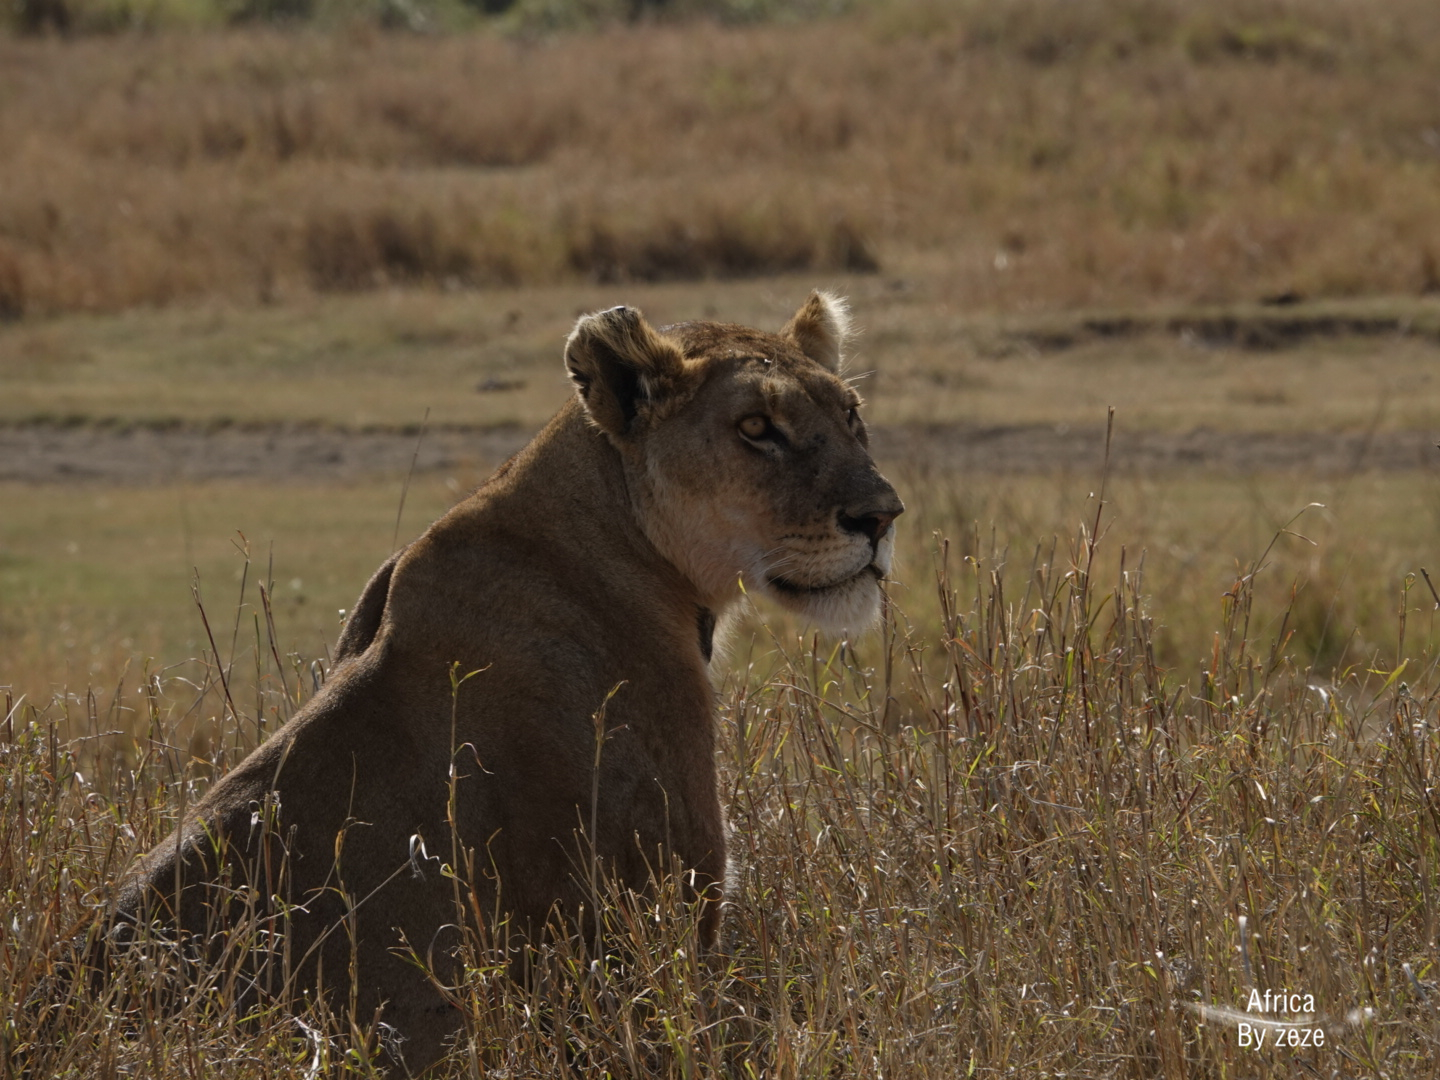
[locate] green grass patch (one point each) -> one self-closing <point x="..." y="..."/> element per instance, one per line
<point x="492" y="358"/>
<point x="94" y="578"/>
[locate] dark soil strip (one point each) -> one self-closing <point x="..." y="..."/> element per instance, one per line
<point x="1051" y="450"/>
<point x="38" y="453"/>
<point x="44" y="453"/>
<point x="1279" y="323"/>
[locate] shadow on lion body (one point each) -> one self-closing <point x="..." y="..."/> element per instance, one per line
<point x="584" y="579"/>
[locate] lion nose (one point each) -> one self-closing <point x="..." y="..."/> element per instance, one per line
<point x="872" y="523"/>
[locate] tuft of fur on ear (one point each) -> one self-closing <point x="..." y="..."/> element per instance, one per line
<point x="820" y="328"/>
<point x="620" y="365"/>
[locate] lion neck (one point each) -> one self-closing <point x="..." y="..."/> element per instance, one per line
<point x="573" y="478"/>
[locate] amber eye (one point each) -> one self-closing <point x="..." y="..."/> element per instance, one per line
<point x="754" y="427"/>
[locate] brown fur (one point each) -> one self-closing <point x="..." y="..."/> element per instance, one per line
<point x="598" y="558"/>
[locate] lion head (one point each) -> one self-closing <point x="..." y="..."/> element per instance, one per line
<point x="745" y="456"/>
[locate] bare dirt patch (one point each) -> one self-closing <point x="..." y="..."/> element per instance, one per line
<point x="44" y="453"/>
<point x="1045" y="449"/>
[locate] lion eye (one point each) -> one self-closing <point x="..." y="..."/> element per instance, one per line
<point x="854" y="416"/>
<point x="755" y="427"/>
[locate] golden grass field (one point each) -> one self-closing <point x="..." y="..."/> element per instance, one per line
<point x="1032" y="154"/>
<point x="1004" y="835"/>
<point x="1083" y="791"/>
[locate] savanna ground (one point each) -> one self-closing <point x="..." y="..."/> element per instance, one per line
<point x="1143" y="730"/>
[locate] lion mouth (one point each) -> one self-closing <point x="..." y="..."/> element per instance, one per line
<point x="878" y="568"/>
<point x="794" y="588"/>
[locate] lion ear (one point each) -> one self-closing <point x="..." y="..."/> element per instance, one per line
<point x="820" y="328"/>
<point x="620" y="364"/>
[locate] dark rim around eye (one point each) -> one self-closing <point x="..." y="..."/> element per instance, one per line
<point x="772" y="436"/>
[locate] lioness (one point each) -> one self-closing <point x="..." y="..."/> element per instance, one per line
<point x="592" y="566"/>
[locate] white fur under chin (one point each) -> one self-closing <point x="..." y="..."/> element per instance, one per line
<point x="850" y="606"/>
<point x="853" y="606"/>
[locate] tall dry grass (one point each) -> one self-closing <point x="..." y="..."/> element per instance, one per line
<point x="1033" y="153"/>
<point x="1004" y="841"/>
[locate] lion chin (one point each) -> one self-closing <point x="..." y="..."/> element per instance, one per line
<point x="851" y="605"/>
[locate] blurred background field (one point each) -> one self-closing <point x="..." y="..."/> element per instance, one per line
<point x="1024" y="154"/>
<point x="241" y="222"/>
<point x="255" y="419"/>
<point x="95" y="579"/>
<point x="489" y="358"/>
<point x="257" y="254"/>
